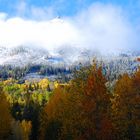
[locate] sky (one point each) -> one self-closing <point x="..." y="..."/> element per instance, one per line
<point x="95" y="25"/>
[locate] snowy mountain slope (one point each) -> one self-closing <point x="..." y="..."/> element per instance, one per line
<point x="21" y="56"/>
<point x="64" y="55"/>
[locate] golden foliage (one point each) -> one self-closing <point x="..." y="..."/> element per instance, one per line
<point x="44" y="83"/>
<point x="5" y="117"/>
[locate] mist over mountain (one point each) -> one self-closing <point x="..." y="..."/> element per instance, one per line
<point x="101" y="28"/>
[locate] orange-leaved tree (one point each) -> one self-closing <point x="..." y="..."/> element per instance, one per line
<point x="125" y="107"/>
<point x="96" y="103"/>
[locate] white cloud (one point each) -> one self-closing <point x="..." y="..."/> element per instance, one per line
<point x="106" y="28"/>
<point x="48" y="34"/>
<point x="100" y="27"/>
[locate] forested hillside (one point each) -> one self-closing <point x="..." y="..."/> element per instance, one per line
<point x="86" y="107"/>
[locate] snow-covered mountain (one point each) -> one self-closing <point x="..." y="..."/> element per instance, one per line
<point x="19" y="56"/>
<point x="64" y="55"/>
<point x="23" y="55"/>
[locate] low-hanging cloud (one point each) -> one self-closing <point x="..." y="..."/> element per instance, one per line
<point x="101" y="27"/>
